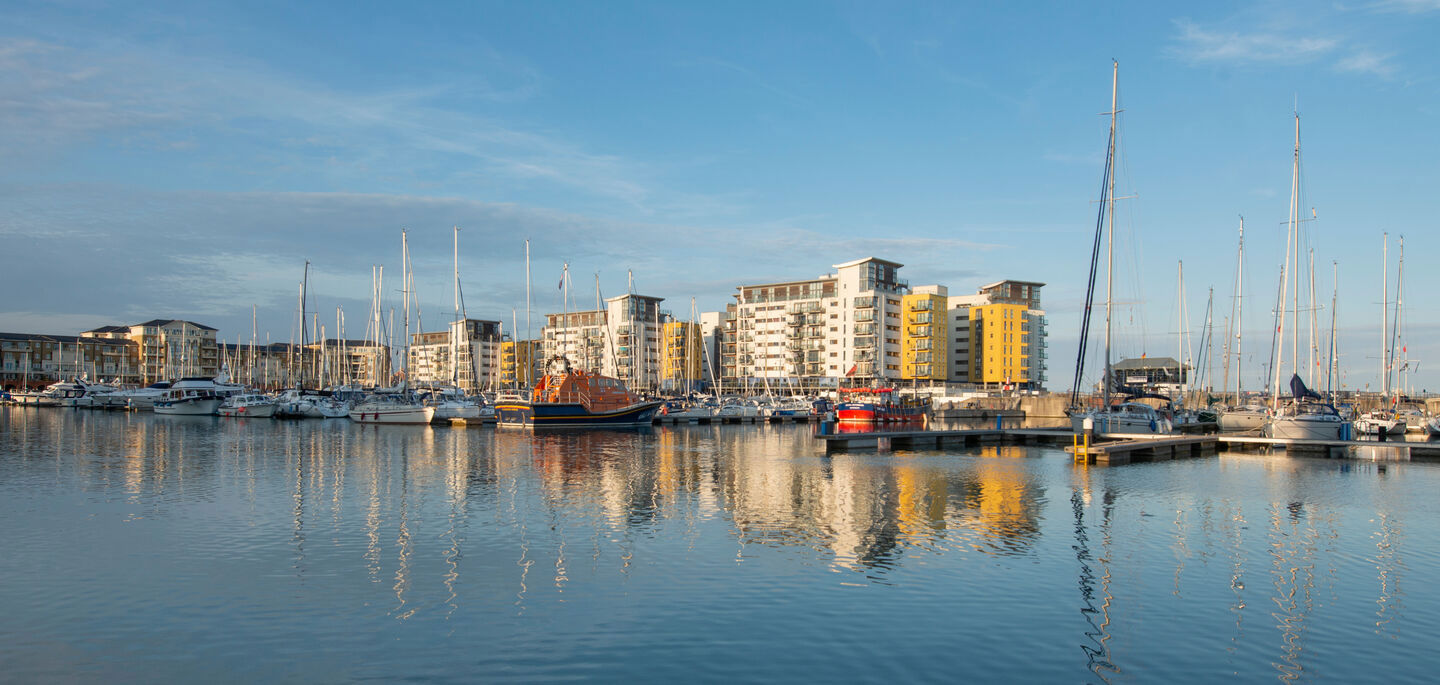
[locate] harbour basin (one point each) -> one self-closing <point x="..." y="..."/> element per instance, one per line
<point x="143" y="548"/>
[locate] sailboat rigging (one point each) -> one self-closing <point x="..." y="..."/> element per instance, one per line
<point x="1124" y="417"/>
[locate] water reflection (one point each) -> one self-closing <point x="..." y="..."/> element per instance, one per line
<point x="391" y="525"/>
<point x="1093" y="583"/>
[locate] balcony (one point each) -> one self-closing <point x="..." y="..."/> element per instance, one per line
<point x="924" y="305"/>
<point x="865" y="329"/>
<point x="865" y="303"/>
<point x="864" y="343"/>
<point x="920" y="317"/>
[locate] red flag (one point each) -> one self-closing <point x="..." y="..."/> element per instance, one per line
<point x="851" y="372"/>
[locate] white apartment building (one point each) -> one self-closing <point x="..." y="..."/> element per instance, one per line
<point x="622" y="340"/>
<point x="466" y="355"/>
<point x="813" y="333"/>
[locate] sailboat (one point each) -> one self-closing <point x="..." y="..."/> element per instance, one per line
<point x="1240" y="416"/>
<point x="1383" y="421"/>
<point x="397" y="404"/>
<point x="1307" y="416"/>
<point x="1125" y="417"/>
<point x="452" y="403"/>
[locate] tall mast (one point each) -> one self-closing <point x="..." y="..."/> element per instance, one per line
<point x="531" y="363"/>
<point x="405" y="304"/>
<point x="304" y="296"/>
<point x="1295" y="221"/>
<point x="1180" y="317"/>
<point x="1239" y="312"/>
<point x="1385" y="316"/>
<point x="1110" y="235"/>
<point x="565" y="309"/>
<point x="1396" y="339"/>
<point x="597" y="366"/>
<point x="1334" y="344"/>
<point x="1314" y="332"/>
<point x="457" y="328"/>
<point x="1291" y="247"/>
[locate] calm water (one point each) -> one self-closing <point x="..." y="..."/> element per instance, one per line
<point x="141" y="549"/>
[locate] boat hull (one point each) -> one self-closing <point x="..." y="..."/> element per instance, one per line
<point x="393" y="415"/>
<point x="869" y="412"/>
<point x="188" y="407"/>
<point x="1374" y="426"/>
<point x="1293" y="428"/>
<point x="1241" y="421"/>
<point x="569" y="414"/>
<point x="257" y="411"/>
<point x="1121" y="424"/>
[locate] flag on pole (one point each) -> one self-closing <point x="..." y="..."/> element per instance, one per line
<point x="851" y="372"/>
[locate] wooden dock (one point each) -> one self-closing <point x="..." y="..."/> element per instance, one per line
<point x="1124" y="449"/>
<point x="883" y="440"/>
<point x="1388" y="450"/>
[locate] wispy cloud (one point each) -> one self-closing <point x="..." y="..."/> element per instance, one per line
<point x="1406" y="6"/>
<point x="210" y="255"/>
<point x="54" y="97"/>
<point x="1365" y="62"/>
<point x="1199" y="45"/>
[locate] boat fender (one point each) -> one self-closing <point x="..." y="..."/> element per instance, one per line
<point x="1152" y="425"/>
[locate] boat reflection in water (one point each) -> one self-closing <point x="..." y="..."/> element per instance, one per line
<point x="343" y="536"/>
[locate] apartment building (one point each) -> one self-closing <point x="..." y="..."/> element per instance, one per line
<point x="622" y="340"/>
<point x="925" y="353"/>
<point x="682" y="356"/>
<point x="519" y="363"/>
<point x="815" y="332"/>
<point x="32" y="360"/>
<point x="997" y="336"/>
<point x="466" y="355"/>
<point x="166" y="348"/>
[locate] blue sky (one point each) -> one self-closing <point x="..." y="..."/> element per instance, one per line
<point x="185" y="159"/>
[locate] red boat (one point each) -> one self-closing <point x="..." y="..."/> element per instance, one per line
<point x="880" y="405"/>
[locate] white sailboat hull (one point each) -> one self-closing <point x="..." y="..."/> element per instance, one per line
<point x="392" y="415"/>
<point x="1304" y="428"/>
<point x="1238" y="421"/>
<point x="1122" y="423"/>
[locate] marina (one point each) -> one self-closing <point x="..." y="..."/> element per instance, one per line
<point x="719" y="343"/>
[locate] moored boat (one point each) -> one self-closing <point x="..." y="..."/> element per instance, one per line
<point x="392" y="409"/>
<point x="192" y="397"/>
<point x="1379" y="423"/>
<point x="248" y="406"/>
<point x="1124" y="418"/>
<point x="570" y="397"/>
<point x="1306" y="421"/>
<point x="880" y="405"/>
<point x="1250" y="417"/>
